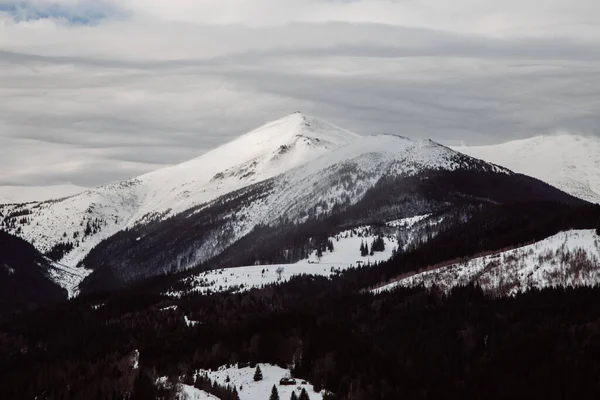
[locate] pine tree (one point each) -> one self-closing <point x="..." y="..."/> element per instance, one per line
<point x="366" y="249"/>
<point x="598" y="228"/>
<point x="274" y="394"/>
<point x="257" y="374"/>
<point x="362" y="248"/>
<point x="294" y="396"/>
<point x="304" y="395"/>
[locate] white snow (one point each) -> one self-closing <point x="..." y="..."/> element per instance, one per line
<point x="567" y="259"/>
<point x="243" y="379"/>
<point x="408" y="222"/>
<point x="190" y="322"/>
<point x="66" y="277"/>
<point x="187" y="392"/>
<point x="345" y="254"/>
<point x="255" y="276"/>
<point x="567" y="161"/>
<point x="135" y="359"/>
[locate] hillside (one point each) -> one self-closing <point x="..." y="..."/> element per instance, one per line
<point x="25" y="277"/>
<point x="567" y="259"/>
<point x="567" y="161"/>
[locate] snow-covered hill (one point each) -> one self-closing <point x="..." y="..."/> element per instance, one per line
<point x="568" y="162"/>
<point x="568" y="259"/>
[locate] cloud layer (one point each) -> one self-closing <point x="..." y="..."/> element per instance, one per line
<point x="92" y="92"/>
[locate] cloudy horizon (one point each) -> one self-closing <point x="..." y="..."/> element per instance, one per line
<point x="97" y="91"/>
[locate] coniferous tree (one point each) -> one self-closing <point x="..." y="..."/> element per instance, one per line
<point x="274" y="394"/>
<point x="303" y="395"/>
<point x="362" y="248"/>
<point x="598" y="227"/>
<point x="257" y="374"/>
<point x="294" y="396"/>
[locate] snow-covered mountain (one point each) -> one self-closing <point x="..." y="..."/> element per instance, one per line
<point x="94" y="215"/>
<point x="289" y="171"/>
<point x="567" y="259"/>
<point x="566" y="161"/>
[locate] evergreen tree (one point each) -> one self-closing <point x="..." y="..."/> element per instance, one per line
<point x="274" y="394"/>
<point x="303" y="395"/>
<point x="366" y="249"/>
<point x="378" y="244"/>
<point x="257" y="374"/>
<point x="598" y="227"/>
<point x="362" y="248"/>
<point x="294" y="396"/>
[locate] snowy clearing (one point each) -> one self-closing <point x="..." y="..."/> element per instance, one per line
<point x="242" y="379"/>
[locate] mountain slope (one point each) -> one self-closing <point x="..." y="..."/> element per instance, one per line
<point x="71" y="227"/>
<point x="567" y="259"/>
<point x="373" y="179"/>
<point x="24" y="277"/>
<point x="568" y="162"/>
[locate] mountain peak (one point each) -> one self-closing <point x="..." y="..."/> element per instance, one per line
<point x="298" y="124"/>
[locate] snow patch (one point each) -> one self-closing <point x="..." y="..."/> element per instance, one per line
<point x="243" y="380"/>
<point x="189" y="322"/>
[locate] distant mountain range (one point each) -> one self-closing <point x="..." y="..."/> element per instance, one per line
<point x="568" y="162"/>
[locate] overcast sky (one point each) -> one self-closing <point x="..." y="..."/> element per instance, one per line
<point x="93" y="91"/>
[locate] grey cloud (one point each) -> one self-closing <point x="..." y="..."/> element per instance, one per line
<point x="91" y="120"/>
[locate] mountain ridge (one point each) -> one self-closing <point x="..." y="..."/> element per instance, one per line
<point x="569" y="162"/>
